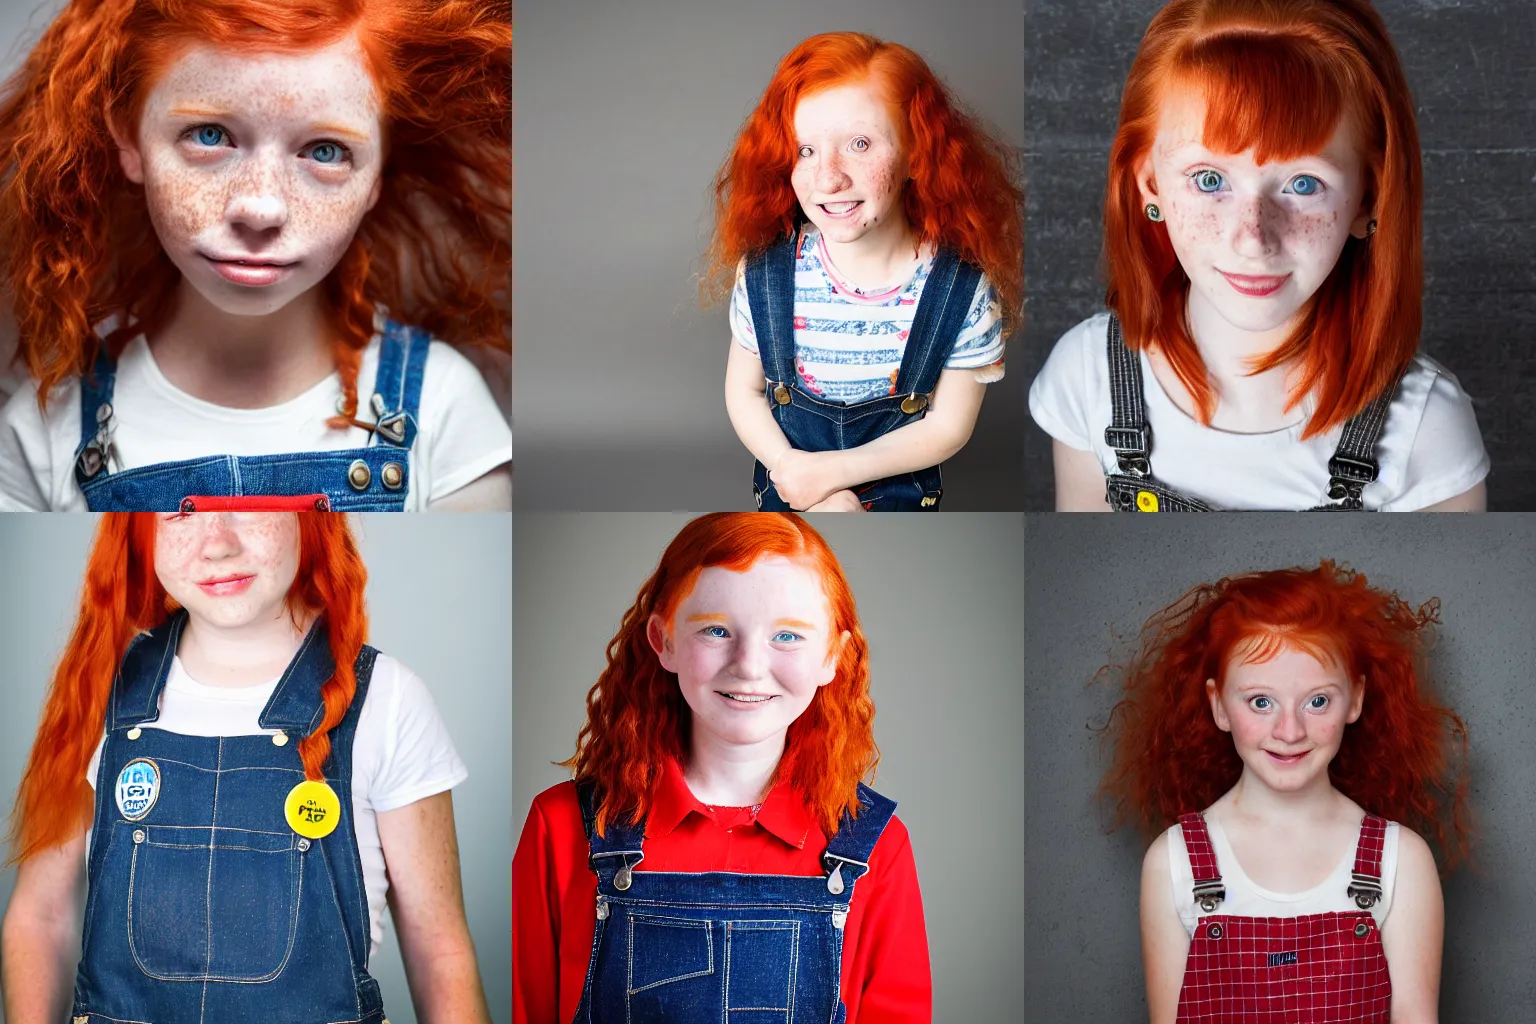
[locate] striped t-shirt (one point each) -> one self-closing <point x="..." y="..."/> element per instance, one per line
<point x="848" y="347"/>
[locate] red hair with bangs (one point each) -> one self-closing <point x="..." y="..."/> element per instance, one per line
<point x="436" y="249"/>
<point x="121" y="598"/>
<point x="963" y="191"/>
<point x="1403" y="759"/>
<point x="1277" y="77"/>
<point x="637" y="718"/>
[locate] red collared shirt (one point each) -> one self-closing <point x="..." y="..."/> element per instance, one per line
<point x="554" y="896"/>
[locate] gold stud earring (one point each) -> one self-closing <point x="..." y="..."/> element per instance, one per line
<point x="1370" y="226"/>
<point x="1153" y="213"/>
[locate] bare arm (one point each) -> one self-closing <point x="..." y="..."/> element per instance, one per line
<point x="1414" y="932"/>
<point x="41" y="935"/>
<point x="1080" y="482"/>
<point x="748" y="409"/>
<point x="1474" y="499"/>
<point x="1164" y="942"/>
<point x="421" y="852"/>
<point x="490" y="493"/>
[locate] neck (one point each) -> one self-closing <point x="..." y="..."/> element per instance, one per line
<point x="235" y="656"/>
<point x="1246" y="400"/>
<point x="731" y="774"/>
<point x="244" y="362"/>
<point x="1251" y="798"/>
<point x="880" y="257"/>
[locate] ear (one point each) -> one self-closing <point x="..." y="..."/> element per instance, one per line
<point x="1146" y="179"/>
<point x="1356" y="701"/>
<point x="1218" y="710"/>
<point x="128" y="153"/>
<point x="834" y="658"/>
<point x="1360" y="226"/>
<point x="660" y="639"/>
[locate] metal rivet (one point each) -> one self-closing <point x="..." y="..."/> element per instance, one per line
<point x="280" y="739"/>
<point x="393" y="475"/>
<point x="1362" y="930"/>
<point x="376" y="403"/>
<point x="928" y="501"/>
<point x="1214" y="931"/>
<point x="303" y="845"/>
<point x="138" y="835"/>
<point x="914" y="403"/>
<point x="359" y="475"/>
<point x="624" y="879"/>
<point x="188" y="505"/>
<point x="322" y="504"/>
<point x="781" y="394"/>
<point x="135" y="733"/>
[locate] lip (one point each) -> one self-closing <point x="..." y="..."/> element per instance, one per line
<point x="1255" y="286"/>
<point x="730" y="700"/>
<point x="226" y="586"/>
<point x="251" y="273"/>
<point x="846" y="213"/>
<point x="1286" y="759"/>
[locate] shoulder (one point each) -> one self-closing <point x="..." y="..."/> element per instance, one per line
<point x="1070" y="394"/>
<point x="1078" y="358"/>
<point x="1413" y="853"/>
<point x="556" y="813"/>
<point x="391" y="680"/>
<point x="1432" y="434"/>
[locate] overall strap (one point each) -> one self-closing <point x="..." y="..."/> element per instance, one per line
<point x="771" y="297"/>
<point x="1354" y="461"/>
<point x="846" y="857"/>
<point x="1208" y="889"/>
<point x="614" y="854"/>
<point x="295" y="705"/>
<point x="96" y="391"/>
<point x="1127" y="433"/>
<point x="142" y="673"/>
<point x="397" y="385"/>
<point x="941" y="311"/>
<point x="1365" y="879"/>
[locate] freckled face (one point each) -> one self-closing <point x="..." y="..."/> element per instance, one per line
<point x="228" y="569"/>
<point x="1286" y="715"/>
<point x="1257" y="240"/>
<point x="749" y="648"/>
<point x="258" y="169"/>
<point x="849" y="172"/>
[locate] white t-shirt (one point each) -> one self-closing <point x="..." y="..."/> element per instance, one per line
<point x="462" y="434"/>
<point x="401" y="752"/>
<point x="1430" y="448"/>
<point x="1246" y="899"/>
<point x="849" y="345"/>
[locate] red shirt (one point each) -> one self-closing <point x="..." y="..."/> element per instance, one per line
<point x="554" y="896"/>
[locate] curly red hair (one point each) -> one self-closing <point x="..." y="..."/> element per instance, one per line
<point x="963" y="192"/>
<point x="1277" y="76"/>
<point x="121" y="598"/>
<point x="1404" y="758"/>
<point x="637" y="718"/>
<point x="435" y="250"/>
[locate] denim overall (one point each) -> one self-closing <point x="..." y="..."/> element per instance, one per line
<point x="814" y="425"/>
<point x="371" y="479"/>
<point x="1134" y="489"/>
<point x="207" y="908"/>
<point x="720" y="947"/>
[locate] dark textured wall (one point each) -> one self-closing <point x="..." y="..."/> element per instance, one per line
<point x="1474" y="83"/>
<point x="1090" y="580"/>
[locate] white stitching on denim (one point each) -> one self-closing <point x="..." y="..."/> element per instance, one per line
<point x="672" y="922"/>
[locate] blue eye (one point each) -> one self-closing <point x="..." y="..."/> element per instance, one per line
<point x="1319" y="702"/>
<point x="209" y="135"/>
<point x="1209" y="180"/>
<point x="328" y="153"/>
<point x="860" y="144"/>
<point x="1261" y="703"/>
<point x="1306" y="185"/>
<point x="718" y="632"/>
<point x="805" y="151"/>
<point x="784" y="636"/>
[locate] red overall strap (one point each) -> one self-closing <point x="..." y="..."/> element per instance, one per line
<point x="1365" y="880"/>
<point x="1202" y="862"/>
<point x="257" y="503"/>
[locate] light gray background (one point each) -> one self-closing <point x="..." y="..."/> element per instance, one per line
<point x="1092" y="579"/>
<point x="624" y="113"/>
<point x="941" y="606"/>
<point x="439" y="600"/>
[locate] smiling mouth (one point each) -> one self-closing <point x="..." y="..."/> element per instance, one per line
<point x="251" y="273"/>
<point x="226" y="586"/>
<point x="841" y="209"/>
<point x="1286" y="758"/>
<point x="746" y="698"/>
<point x="1252" y="285"/>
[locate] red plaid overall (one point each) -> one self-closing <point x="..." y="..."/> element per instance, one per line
<point x="1316" y="969"/>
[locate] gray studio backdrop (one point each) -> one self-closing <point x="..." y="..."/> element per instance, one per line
<point x="439" y="600"/>
<point x="624" y="113"/>
<point x="941" y="607"/>
<point x="1468" y="64"/>
<point x="1091" y="579"/>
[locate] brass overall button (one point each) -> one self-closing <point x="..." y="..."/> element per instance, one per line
<point x="135" y="733"/>
<point x="280" y="739"/>
<point x="914" y="403"/>
<point x="393" y="475"/>
<point x="359" y="475"/>
<point x="781" y="394"/>
<point x="1362" y="930"/>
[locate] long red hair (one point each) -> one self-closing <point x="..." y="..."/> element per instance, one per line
<point x="964" y="191"/>
<point x="435" y="250"/>
<point x="1277" y="76"/>
<point x="1404" y="758"/>
<point x="120" y="599"/>
<point x="637" y="718"/>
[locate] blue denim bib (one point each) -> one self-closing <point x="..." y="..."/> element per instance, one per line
<point x="813" y="425"/>
<point x="720" y="947"/>
<point x="204" y="906"/>
<point x="370" y="479"/>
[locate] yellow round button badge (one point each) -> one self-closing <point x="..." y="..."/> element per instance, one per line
<point x="313" y="809"/>
<point x="1146" y="501"/>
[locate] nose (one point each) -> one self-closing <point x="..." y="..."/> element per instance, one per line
<point x="749" y="660"/>
<point x="220" y="538"/>
<point x="1289" y="727"/>
<point x="258" y="200"/>
<point x="1256" y="226"/>
<point x="830" y="175"/>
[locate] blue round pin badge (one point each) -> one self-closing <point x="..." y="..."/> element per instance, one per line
<point x="138" y="787"/>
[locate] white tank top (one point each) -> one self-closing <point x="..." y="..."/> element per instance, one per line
<point x="1246" y="899"/>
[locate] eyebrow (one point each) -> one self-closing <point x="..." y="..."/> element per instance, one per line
<point x="326" y="128"/>
<point x="705" y="617"/>
<point x="797" y="623"/>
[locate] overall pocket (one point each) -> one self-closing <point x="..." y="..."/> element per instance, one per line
<point x="213" y="904"/>
<point x="762" y="959"/>
<point x="670" y="968"/>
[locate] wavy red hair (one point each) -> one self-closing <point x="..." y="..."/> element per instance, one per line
<point x="963" y="192"/>
<point x="1277" y="77"/>
<point x="120" y="599"/>
<point x="436" y="249"/>
<point x="1404" y="758"/>
<point x="637" y="718"/>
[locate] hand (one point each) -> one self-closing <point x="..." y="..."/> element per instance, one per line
<point x="839" y="501"/>
<point x="801" y="478"/>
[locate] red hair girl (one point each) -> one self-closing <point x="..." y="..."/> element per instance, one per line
<point x="724" y="748"/>
<point x="1262" y="234"/>
<point x="874" y="232"/>
<point x="1282" y="723"/>
<point x="245" y="185"/>
<point x="183" y="621"/>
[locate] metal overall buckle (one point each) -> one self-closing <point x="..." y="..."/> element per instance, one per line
<point x="1347" y="477"/>
<point x="835" y="883"/>
<point x="1366" y="890"/>
<point x="1132" y="446"/>
<point x="100" y="451"/>
<point x="1208" y="894"/>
